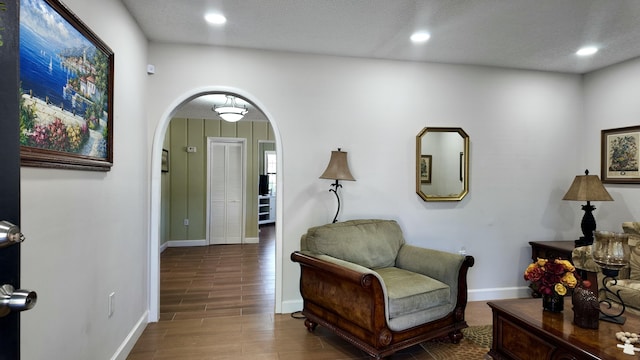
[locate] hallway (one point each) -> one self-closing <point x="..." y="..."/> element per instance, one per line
<point x="220" y="280"/>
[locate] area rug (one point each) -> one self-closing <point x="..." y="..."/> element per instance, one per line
<point x="475" y="345"/>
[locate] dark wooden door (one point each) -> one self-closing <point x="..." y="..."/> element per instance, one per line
<point x="9" y="167"/>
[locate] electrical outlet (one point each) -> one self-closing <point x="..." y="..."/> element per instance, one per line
<point x="112" y="298"/>
<point x="186" y="222"/>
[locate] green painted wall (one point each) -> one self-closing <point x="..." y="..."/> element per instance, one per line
<point x="165" y="207"/>
<point x="187" y="194"/>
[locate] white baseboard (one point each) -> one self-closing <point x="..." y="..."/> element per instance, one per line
<point x="203" y="242"/>
<point x="130" y="341"/>
<point x="498" y="293"/>
<point x="186" y="243"/>
<point x="291" y="306"/>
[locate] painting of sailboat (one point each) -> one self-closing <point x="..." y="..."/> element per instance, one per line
<point x="66" y="90"/>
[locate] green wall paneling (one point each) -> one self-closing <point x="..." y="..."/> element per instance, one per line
<point x="187" y="196"/>
<point x="165" y="203"/>
<point x="196" y="181"/>
<point x="179" y="181"/>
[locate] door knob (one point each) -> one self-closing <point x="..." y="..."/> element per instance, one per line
<point x="16" y="300"/>
<point x="9" y="234"/>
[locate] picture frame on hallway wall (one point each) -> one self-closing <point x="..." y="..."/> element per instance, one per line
<point x="425" y="169"/>
<point x="66" y="90"/>
<point x="620" y="157"/>
<point x="165" y="160"/>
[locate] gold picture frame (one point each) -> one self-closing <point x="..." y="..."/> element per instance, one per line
<point x="620" y="155"/>
<point x="165" y="160"/>
<point x="66" y="90"/>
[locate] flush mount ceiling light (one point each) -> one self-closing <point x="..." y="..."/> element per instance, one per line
<point x="420" y="37"/>
<point x="586" y="51"/>
<point x="230" y="111"/>
<point x="215" y="19"/>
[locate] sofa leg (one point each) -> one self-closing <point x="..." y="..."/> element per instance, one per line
<point x="456" y="336"/>
<point x="311" y="326"/>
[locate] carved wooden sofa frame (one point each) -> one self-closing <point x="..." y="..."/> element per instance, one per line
<point x="351" y="302"/>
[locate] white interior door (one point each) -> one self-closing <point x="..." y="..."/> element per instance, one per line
<point x="226" y="190"/>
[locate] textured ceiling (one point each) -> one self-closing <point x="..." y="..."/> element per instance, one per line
<point x="523" y="34"/>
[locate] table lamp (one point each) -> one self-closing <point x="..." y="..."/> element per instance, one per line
<point x="587" y="188"/>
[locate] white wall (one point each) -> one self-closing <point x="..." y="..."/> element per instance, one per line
<point x="522" y="126"/>
<point x="611" y="101"/>
<point x="87" y="232"/>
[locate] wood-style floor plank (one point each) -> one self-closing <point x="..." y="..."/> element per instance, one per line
<point x="217" y="302"/>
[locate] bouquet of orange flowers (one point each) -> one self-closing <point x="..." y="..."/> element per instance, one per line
<point x="551" y="277"/>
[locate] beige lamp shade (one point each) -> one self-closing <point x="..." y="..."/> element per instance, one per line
<point x="338" y="168"/>
<point x="587" y="188"/>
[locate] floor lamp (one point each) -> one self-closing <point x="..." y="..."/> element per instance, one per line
<point x="338" y="169"/>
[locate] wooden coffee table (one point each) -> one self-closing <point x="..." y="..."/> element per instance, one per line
<point x="523" y="331"/>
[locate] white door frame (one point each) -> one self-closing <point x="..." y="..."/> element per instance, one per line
<point x="243" y="143"/>
<point x="153" y="262"/>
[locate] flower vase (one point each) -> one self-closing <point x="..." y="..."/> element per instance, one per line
<point x="553" y="303"/>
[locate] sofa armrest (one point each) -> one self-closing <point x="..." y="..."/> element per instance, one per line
<point x="345" y="292"/>
<point x="446" y="267"/>
<point x="310" y="258"/>
<point x="582" y="259"/>
<point x="440" y="265"/>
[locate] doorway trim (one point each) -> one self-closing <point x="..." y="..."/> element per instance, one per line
<point x="153" y="260"/>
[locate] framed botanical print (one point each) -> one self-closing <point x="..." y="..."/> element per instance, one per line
<point x="425" y="169"/>
<point x="620" y="156"/>
<point x="165" y="160"/>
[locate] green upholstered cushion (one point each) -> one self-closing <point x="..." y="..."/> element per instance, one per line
<point x="629" y="292"/>
<point x="369" y="243"/>
<point x="634" y="263"/>
<point x="410" y="292"/>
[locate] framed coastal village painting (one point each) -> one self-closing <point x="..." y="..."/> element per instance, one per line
<point x="66" y="90"/>
<point x="620" y="157"/>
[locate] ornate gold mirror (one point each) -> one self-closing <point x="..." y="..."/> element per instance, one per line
<point x="442" y="164"/>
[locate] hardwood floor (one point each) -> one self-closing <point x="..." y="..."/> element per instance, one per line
<point x="217" y="302"/>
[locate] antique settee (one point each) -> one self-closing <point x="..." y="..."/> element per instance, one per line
<point x="628" y="279"/>
<point x="361" y="280"/>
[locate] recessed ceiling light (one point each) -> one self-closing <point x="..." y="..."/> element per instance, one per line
<point x="586" y="51"/>
<point x="420" y="37"/>
<point x="215" y="19"/>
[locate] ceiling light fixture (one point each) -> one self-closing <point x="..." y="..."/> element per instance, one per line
<point x="586" y="51"/>
<point x="215" y="19"/>
<point x="230" y="111"/>
<point x="420" y="37"/>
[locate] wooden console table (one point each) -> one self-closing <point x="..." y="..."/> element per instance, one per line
<point x="552" y="249"/>
<point x="523" y="331"/>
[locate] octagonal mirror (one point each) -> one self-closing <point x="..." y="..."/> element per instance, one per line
<point x="442" y="164"/>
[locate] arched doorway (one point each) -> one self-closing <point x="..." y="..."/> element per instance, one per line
<point x="155" y="217"/>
